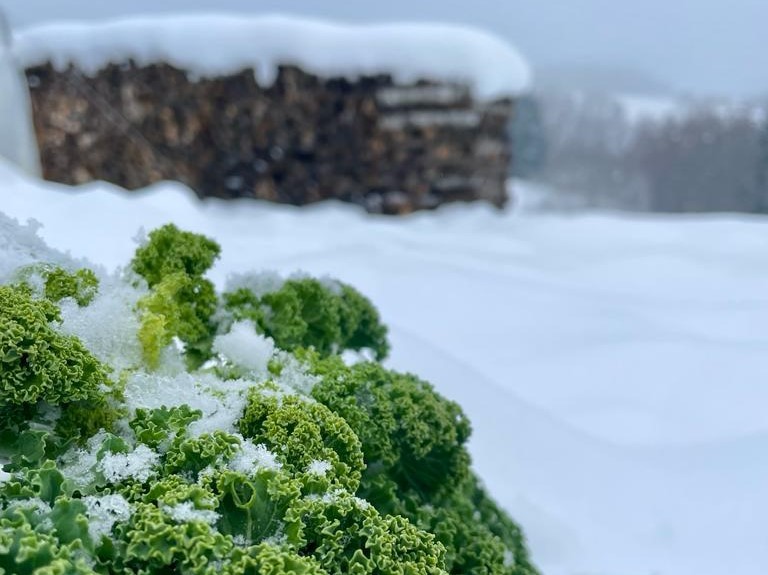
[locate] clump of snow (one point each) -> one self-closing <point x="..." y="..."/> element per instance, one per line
<point x="48" y="416"/>
<point x="103" y="512"/>
<point x="79" y="464"/>
<point x="330" y="283"/>
<point x="241" y="540"/>
<point x="319" y="467"/>
<point x="33" y="503"/>
<point x="333" y="496"/>
<point x="253" y="457"/>
<point x="279" y="538"/>
<point x="222" y="402"/>
<point x="410" y="52"/>
<point x="509" y="558"/>
<point x="259" y="283"/>
<point x="330" y="496"/>
<point x="4" y="475"/>
<point x="244" y="347"/>
<point x="21" y="245"/>
<point x="108" y="326"/>
<point x="186" y="511"/>
<point x="361" y="503"/>
<point x="151" y="391"/>
<point x="353" y="356"/>
<point x="294" y="374"/>
<point x="139" y="464"/>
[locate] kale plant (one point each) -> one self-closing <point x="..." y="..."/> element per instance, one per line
<point x="236" y="442"/>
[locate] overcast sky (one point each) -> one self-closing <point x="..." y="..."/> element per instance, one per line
<point x="704" y="46"/>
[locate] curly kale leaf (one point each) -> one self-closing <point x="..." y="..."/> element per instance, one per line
<point x="347" y="535"/>
<point x="55" y="283"/>
<point x="417" y="464"/>
<point x="181" y="302"/>
<point x="178" y="306"/>
<point x="269" y="559"/>
<point x="25" y="549"/>
<point x="36" y="362"/>
<point x="170" y="250"/>
<point x="361" y="327"/>
<point x="81" y="420"/>
<point x="283" y="498"/>
<point x="307" y="437"/>
<point x="82" y="285"/>
<point x="407" y="430"/>
<point x="154" y="540"/>
<point x="154" y="427"/>
<point x="486" y="512"/>
<point x="254" y="507"/>
<point x="192" y="455"/>
<point x="479" y="537"/>
<point x="306" y="313"/>
<point x="303" y="313"/>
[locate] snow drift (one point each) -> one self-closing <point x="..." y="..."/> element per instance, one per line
<point x="409" y="52"/>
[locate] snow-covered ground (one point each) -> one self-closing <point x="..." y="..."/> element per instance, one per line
<point x="614" y="367"/>
<point x="638" y="108"/>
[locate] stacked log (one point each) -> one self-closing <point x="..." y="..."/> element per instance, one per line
<point x="392" y="148"/>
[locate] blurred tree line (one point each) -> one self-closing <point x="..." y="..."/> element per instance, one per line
<point x="694" y="158"/>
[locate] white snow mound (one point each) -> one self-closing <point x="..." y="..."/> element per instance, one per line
<point x="409" y="52"/>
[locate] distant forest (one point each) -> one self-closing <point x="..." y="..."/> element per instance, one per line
<point x="701" y="157"/>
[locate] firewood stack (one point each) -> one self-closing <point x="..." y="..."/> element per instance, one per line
<point x="392" y="148"/>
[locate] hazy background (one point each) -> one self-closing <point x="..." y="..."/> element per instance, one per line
<point x="653" y="105"/>
<point x="650" y="46"/>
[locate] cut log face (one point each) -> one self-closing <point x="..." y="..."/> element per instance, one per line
<point x="390" y="148"/>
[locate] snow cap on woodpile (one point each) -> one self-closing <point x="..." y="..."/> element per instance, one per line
<point x="215" y="45"/>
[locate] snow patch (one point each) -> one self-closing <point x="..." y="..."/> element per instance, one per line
<point x="103" y="512"/>
<point x="139" y="465"/>
<point x="294" y="374"/>
<point x="222" y="402"/>
<point x="259" y="283"/>
<point x="34" y="503"/>
<point x="185" y="512"/>
<point x="409" y="52"/>
<point x="246" y="348"/>
<point x="253" y="457"/>
<point x="108" y="326"/>
<point x="319" y="467"/>
<point x="21" y="245"/>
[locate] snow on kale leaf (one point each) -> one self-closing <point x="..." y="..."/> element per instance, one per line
<point x="262" y="453"/>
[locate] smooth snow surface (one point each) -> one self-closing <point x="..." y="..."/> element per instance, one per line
<point x="614" y="368"/>
<point x="408" y="51"/>
<point x="17" y="135"/>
